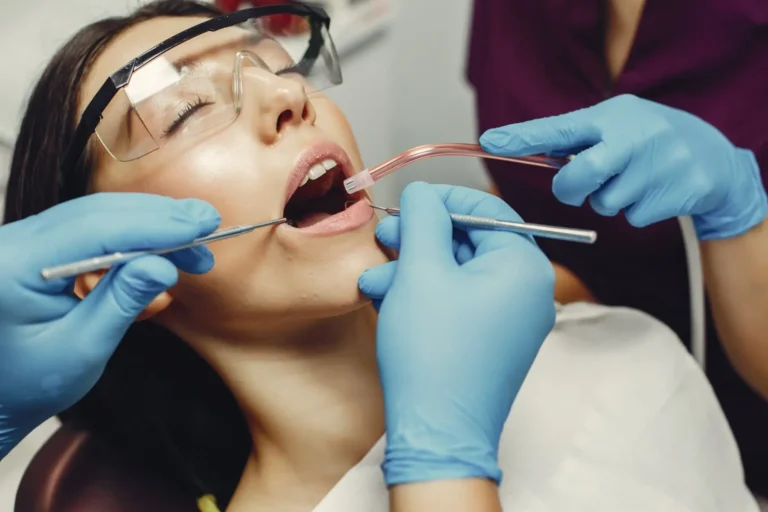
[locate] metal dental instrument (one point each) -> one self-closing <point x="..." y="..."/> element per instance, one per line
<point x="106" y="261"/>
<point x="583" y="236"/>
<point x="367" y="177"/>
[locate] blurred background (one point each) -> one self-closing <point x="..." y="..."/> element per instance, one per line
<point x="403" y="63"/>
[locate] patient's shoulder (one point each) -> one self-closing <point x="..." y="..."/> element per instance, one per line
<point x="612" y="355"/>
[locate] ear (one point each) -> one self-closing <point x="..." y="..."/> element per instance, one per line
<point x="85" y="283"/>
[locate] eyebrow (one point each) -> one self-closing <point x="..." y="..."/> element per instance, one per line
<point x="188" y="61"/>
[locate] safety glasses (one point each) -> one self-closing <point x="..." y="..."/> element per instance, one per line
<point x="192" y="83"/>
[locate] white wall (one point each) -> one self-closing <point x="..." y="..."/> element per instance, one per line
<point x="30" y="33"/>
<point x="430" y="99"/>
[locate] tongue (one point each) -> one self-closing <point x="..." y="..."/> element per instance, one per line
<point x="311" y="219"/>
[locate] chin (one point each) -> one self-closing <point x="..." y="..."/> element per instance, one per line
<point x="336" y="290"/>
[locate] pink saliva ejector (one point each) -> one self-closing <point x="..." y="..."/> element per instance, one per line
<point x="367" y="177"/>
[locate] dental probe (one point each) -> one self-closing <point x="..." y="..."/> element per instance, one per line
<point x="367" y="177"/>
<point x="101" y="262"/>
<point x="583" y="236"/>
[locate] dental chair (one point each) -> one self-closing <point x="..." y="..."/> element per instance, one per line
<point x="76" y="472"/>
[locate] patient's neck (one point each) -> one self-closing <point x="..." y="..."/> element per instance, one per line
<point x="314" y="406"/>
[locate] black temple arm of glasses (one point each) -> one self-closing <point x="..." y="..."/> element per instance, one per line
<point x="316" y="43"/>
<point x="123" y="76"/>
<point x="88" y="122"/>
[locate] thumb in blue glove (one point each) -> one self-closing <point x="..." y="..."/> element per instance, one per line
<point x="651" y="161"/>
<point x="455" y="338"/>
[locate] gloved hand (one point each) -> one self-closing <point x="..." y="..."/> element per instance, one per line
<point x="461" y="322"/>
<point x="651" y="161"/>
<point x="53" y="347"/>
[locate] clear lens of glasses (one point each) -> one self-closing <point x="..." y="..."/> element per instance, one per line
<point x="197" y="86"/>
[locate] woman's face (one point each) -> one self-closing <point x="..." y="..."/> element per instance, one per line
<point x="247" y="169"/>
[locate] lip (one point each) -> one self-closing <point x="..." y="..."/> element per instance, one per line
<point x="347" y="220"/>
<point x="315" y="154"/>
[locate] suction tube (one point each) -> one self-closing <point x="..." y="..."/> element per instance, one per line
<point x="367" y="177"/>
<point x="696" y="291"/>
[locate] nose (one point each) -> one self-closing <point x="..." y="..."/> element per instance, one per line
<point x="278" y="104"/>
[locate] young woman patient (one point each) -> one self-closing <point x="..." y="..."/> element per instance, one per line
<point x="257" y="382"/>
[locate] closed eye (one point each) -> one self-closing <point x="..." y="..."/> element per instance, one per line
<point x="189" y="110"/>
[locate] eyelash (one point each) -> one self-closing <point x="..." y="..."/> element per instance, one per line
<point x="295" y="68"/>
<point x="189" y="110"/>
<point x="191" y="107"/>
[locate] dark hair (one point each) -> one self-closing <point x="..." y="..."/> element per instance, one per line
<point x="158" y="402"/>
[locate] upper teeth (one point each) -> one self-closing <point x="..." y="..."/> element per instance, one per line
<point x="319" y="170"/>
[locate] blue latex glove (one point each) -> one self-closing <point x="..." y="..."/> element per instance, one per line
<point x="461" y="322"/>
<point x="651" y="161"/>
<point x="53" y="347"/>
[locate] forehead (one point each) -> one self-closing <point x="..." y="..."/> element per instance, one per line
<point x="135" y="41"/>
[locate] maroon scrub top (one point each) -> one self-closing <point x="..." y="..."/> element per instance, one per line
<point x="535" y="58"/>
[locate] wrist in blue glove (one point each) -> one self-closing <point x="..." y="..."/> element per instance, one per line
<point x="54" y="347"/>
<point x="651" y="161"/>
<point x="462" y="318"/>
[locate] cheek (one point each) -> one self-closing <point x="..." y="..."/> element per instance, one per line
<point x="234" y="177"/>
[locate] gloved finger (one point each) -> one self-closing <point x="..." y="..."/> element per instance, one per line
<point x="501" y="267"/>
<point x="562" y="153"/>
<point x="388" y="232"/>
<point x="81" y="235"/>
<point x="464" y="253"/>
<point x="618" y="193"/>
<point x="195" y="260"/>
<point x="463" y="249"/>
<point x="426" y="231"/>
<point x="468" y="201"/>
<point x="376" y="281"/>
<point x="649" y="210"/>
<point x="589" y="170"/>
<point x="105" y="202"/>
<point x="113" y="305"/>
<point x="563" y="134"/>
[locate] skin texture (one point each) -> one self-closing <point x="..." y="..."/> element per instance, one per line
<point x="280" y="317"/>
<point x="623" y="20"/>
<point x="735" y="271"/>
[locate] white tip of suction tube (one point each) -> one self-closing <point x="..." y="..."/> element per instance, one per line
<point x="358" y="182"/>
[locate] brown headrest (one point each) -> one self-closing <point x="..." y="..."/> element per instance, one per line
<point x="75" y="472"/>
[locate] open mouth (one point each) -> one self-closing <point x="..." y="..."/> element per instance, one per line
<point x="320" y="196"/>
